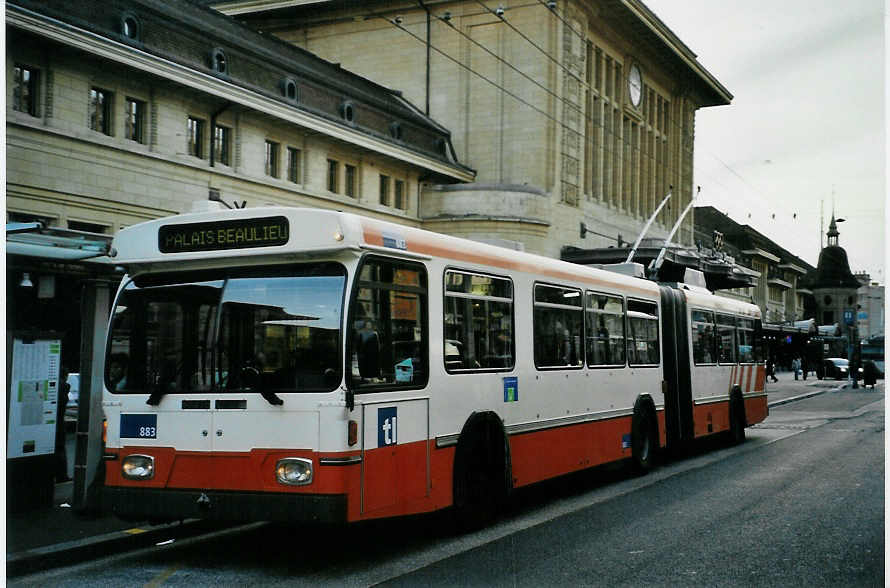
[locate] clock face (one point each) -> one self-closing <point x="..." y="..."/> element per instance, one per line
<point x="635" y="85"/>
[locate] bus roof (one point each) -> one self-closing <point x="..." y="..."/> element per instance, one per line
<point x="209" y="239"/>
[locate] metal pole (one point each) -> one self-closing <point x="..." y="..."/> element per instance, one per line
<point x="633" y="250"/>
<point x="88" y="448"/>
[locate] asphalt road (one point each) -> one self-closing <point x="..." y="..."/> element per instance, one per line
<point x="800" y="503"/>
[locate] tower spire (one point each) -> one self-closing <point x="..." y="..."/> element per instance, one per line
<point x="832" y="232"/>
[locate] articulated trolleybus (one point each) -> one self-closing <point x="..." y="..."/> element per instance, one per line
<point x="300" y="364"/>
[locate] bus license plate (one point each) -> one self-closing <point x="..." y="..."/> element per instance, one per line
<point x="139" y="426"/>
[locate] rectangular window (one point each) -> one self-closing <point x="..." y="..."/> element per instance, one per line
<point x="478" y="322"/>
<point x="100" y="110"/>
<point x="558" y="327"/>
<point x="195" y="137"/>
<point x="333" y="175"/>
<point x="272" y="151"/>
<point x="384" y="190"/>
<point x="134" y="125"/>
<point x="726" y="345"/>
<point x="222" y="145"/>
<point x="349" y="180"/>
<point x="748" y="351"/>
<point x="605" y="330"/>
<point x="401" y="200"/>
<point x="704" y="342"/>
<point x="389" y="336"/>
<point x="776" y="294"/>
<point x="87" y="227"/>
<point x="642" y="333"/>
<point x="24" y="90"/>
<point x="294" y="161"/>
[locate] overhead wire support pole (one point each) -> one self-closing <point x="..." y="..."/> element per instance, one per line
<point x="656" y="263"/>
<point x="633" y="250"/>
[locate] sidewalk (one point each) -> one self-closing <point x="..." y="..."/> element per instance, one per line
<point x="57" y="536"/>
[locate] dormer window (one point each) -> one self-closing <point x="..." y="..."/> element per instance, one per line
<point x="218" y="61"/>
<point x="131" y="28"/>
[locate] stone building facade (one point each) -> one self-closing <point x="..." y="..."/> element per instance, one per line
<point x="571" y="111"/>
<point x="123" y="111"/>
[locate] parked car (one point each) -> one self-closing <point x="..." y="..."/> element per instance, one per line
<point x="835" y="367"/>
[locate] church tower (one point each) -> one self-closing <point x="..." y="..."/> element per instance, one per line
<point x="833" y="284"/>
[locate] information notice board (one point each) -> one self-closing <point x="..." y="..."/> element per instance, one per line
<point x="33" y="396"/>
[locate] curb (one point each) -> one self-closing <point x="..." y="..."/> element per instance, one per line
<point x="90" y="548"/>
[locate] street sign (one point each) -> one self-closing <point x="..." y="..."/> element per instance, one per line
<point x="849" y="315"/>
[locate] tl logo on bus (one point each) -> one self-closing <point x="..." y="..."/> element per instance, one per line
<point x="387" y="426"/>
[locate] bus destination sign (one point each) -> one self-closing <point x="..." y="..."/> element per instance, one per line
<point x="217" y="235"/>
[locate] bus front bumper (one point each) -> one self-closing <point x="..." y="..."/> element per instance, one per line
<point x="161" y="505"/>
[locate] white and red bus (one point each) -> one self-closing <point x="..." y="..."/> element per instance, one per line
<point x="302" y="364"/>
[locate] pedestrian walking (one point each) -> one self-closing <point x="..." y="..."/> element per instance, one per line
<point x="771" y="369"/>
<point x="795" y="366"/>
<point x="803" y="366"/>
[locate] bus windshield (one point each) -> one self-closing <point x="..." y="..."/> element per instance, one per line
<point x="269" y="330"/>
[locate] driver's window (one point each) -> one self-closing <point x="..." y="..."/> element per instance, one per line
<point x="388" y="330"/>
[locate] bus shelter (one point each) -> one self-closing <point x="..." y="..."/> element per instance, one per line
<point x="59" y="286"/>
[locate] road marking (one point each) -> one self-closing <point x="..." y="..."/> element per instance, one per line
<point x="163" y="576"/>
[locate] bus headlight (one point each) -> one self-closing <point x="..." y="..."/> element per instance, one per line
<point x="138" y="467"/>
<point x="294" y="471"/>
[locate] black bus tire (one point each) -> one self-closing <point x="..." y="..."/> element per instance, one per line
<point x="643" y="437"/>
<point x="737" y="419"/>
<point x="482" y="473"/>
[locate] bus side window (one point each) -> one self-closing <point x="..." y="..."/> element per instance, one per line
<point x="704" y="349"/>
<point x="726" y="345"/>
<point x="388" y="335"/>
<point x="604" y="330"/>
<point x="558" y="327"/>
<point x="747" y="342"/>
<point x="478" y="317"/>
<point x="642" y="333"/>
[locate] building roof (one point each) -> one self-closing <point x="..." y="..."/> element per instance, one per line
<point x="833" y="271"/>
<point x="178" y="40"/>
<point x="632" y="16"/>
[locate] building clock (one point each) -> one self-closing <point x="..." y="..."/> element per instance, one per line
<point x="635" y="85"/>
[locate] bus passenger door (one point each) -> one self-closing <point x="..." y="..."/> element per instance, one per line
<point x="677" y="375"/>
<point x="395" y="454"/>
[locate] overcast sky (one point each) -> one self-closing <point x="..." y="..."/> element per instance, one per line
<point x="806" y="125"/>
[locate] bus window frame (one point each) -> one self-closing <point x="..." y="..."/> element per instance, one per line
<point x="350" y="321"/>
<point x="756" y="333"/>
<point x="735" y="336"/>
<point x="597" y="366"/>
<point x="580" y="308"/>
<point x="692" y="336"/>
<point x="658" y="330"/>
<point x="480" y="370"/>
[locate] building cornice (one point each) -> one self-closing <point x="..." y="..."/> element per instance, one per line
<point x="660" y="30"/>
<point x="793" y="267"/>
<point x="105" y="48"/>
<point x="757" y="252"/>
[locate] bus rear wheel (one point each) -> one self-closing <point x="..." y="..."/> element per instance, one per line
<point x="643" y="437"/>
<point x="737" y="420"/>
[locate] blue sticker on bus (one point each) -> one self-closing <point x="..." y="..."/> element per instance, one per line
<point x="387" y="426"/>
<point x="139" y="426"/>
<point x="511" y="389"/>
<point x="625" y="441"/>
